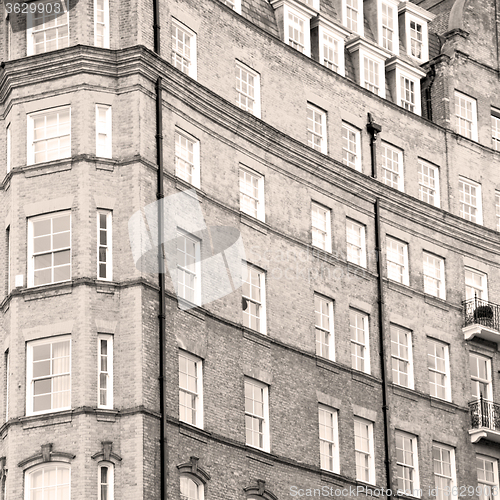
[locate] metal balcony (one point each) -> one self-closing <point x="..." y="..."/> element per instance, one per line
<point x="485" y="420"/>
<point x="481" y="319"/>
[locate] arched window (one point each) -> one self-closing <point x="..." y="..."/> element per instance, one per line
<point x="48" y="481"/>
<point x="105" y="475"/>
<point x="190" y="489"/>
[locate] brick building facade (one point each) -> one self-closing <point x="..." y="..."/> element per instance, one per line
<point x="355" y="147"/>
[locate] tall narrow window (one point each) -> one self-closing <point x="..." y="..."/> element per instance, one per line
<point x="103" y="131"/>
<point x="190" y="489"/>
<point x="187" y="158"/>
<point x="487" y="477"/>
<point x="466" y="115"/>
<point x="253" y="298"/>
<point x="101" y="23"/>
<point x="470" y="200"/>
<point x="316" y="128"/>
<point x="7" y="246"/>
<point x="49" y="135"/>
<point x="416" y="39"/>
<point x="296" y="31"/>
<point x="352" y="15"/>
<point x="407" y="463"/>
<point x="363" y="444"/>
<point x="252" y="193"/>
<point x="387" y="27"/>
<point x="328" y="439"/>
<point x="257" y="414"/>
<point x="330" y="52"/>
<point x="321" y="227"/>
<point x="392" y="167"/>
<point x="428" y="183"/>
<point x="495" y="129"/>
<point x="480" y="372"/>
<point x="104" y="249"/>
<point x="408" y="96"/>
<point x="247" y="89"/>
<point x="106" y="483"/>
<point x="371" y="75"/>
<point x="438" y="363"/>
<point x="183" y="48"/>
<point x="48" y="375"/>
<point x="356" y="246"/>
<point x="360" y="354"/>
<point x="324" y="327"/>
<point x="351" y="146"/>
<point x="7" y="382"/>
<point x="497" y="209"/>
<point x="49" y="480"/>
<point x="48" y="29"/>
<point x="105" y="370"/>
<point x="397" y="261"/>
<point x="49" y="249"/>
<point x="188" y="267"/>
<point x="476" y="284"/>
<point x="190" y="389"/>
<point x="434" y="283"/>
<point x="9" y="149"/>
<point x="401" y="357"/>
<point x="443" y="458"/>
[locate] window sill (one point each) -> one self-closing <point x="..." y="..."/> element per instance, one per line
<point x="443" y="405"/>
<point x="194" y="432"/>
<point x="254" y="223"/>
<point x="190" y="308"/>
<point x="259" y="338"/>
<point x="49" y="290"/>
<point x="400" y="287"/>
<point x="436" y="301"/>
<point x="45" y="419"/>
<point x="405" y="392"/>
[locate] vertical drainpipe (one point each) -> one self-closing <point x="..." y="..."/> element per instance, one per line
<point x="374" y="129"/>
<point x="156" y="25"/>
<point x="161" y="277"/>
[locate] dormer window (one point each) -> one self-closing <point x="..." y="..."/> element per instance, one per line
<point x="327" y="44"/>
<point x="389" y="38"/>
<point x="352" y="14"/>
<point x="294" y="19"/>
<point x="413" y="29"/>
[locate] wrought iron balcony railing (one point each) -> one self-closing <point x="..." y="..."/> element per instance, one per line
<point x="484" y="414"/>
<point x="481" y="312"/>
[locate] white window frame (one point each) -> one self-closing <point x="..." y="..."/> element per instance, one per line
<point x="7" y="383"/>
<point x="259" y="200"/>
<point x="333" y="444"/>
<point x="9" y="254"/>
<point x="412" y="105"/>
<point x="191" y="61"/>
<point x="483" y="289"/>
<point x="377" y="87"/>
<point x="360" y="17"/>
<point x="403" y="464"/>
<point x="393" y="264"/>
<point x="446" y="373"/>
<point x="497" y="209"/>
<point x="425" y="188"/>
<point x="108" y="373"/>
<point x="490" y="486"/>
<point x="338" y="43"/>
<point x="47" y="465"/>
<point x="31" y="133"/>
<point x="30" y="32"/>
<point x="398" y="356"/>
<point x="385" y="167"/>
<point x="31" y="255"/>
<point x="255" y="99"/>
<point x="315" y="229"/>
<point x="108" y="248"/>
<point x="198" y="394"/>
<point x="355" y="342"/>
<point x="181" y="155"/>
<point x="347" y="146"/>
<point x="105" y="24"/>
<point x="322" y="332"/>
<point x="9" y="147"/>
<point x="312" y="133"/>
<point x="461" y="120"/>
<point x="361" y="231"/>
<point x="261" y="306"/>
<point x="110" y="481"/>
<point x="371" y="449"/>
<point x="265" y="418"/>
<point x="395" y="25"/>
<point x="409" y="18"/>
<point x="103" y="129"/>
<point x="441" y="489"/>
<point x="184" y="483"/>
<point x="438" y="277"/>
<point x="287" y="11"/>
<point x="197" y="267"/>
<point x="474" y="360"/>
<point x="29" y="374"/>
<point x="495" y="129"/>
<point x="463" y="182"/>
